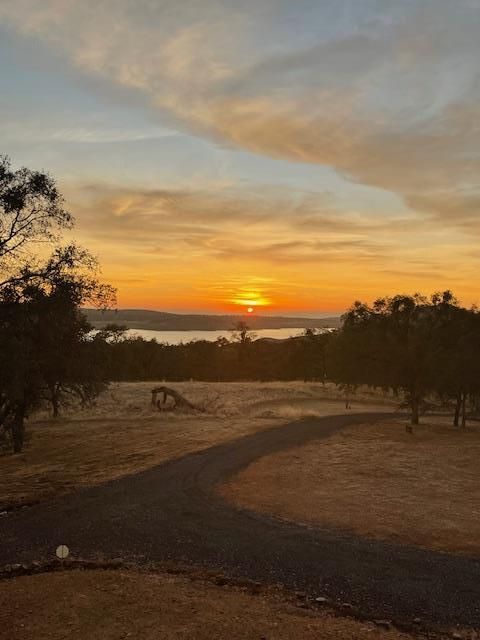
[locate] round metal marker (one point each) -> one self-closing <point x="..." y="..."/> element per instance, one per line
<point x="62" y="551"/>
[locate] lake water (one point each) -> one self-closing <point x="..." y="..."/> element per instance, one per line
<point x="176" y="337"/>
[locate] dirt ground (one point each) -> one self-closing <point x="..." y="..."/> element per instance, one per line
<point x="103" y="605"/>
<point x="378" y="481"/>
<point x="124" y="435"/>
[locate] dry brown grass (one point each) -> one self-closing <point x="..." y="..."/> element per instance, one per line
<point x="123" y="435"/>
<point x="73" y="453"/>
<point x="378" y="481"/>
<point x="112" y="605"/>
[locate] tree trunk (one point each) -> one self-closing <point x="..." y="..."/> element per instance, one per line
<point x="415" y="410"/>
<point x="54" y="399"/>
<point x="464" y="410"/>
<point x="4" y="410"/>
<point x="18" y="428"/>
<point x="458" y="404"/>
<point x="348" y="394"/>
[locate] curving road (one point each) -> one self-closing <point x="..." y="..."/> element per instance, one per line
<point x="171" y="512"/>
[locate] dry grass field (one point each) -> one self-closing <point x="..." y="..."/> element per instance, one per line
<point x="378" y="481"/>
<point x="102" y="605"/>
<point x="375" y="480"/>
<point x="123" y="434"/>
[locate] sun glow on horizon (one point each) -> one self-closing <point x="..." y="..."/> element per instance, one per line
<point x="251" y="304"/>
<point x="250" y="298"/>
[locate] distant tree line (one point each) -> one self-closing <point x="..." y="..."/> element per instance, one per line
<point x="240" y="358"/>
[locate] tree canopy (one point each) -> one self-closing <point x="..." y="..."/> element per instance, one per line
<point x="413" y="345"/>
<point x="44" y="337"/>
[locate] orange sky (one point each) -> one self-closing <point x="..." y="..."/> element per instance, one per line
<point x="224" y="154"/>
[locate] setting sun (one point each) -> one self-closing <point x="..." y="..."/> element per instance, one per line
<point x="251" y="295"/>
<point x="253" y="300"/>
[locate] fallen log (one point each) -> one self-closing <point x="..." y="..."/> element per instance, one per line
<point x="178" y="400"/>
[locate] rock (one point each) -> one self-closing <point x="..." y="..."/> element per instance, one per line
<point x="417" y="620"/>
<point x="322" y="600"/>
<point x="116" y="563"/>
<point x="456" y="635"/>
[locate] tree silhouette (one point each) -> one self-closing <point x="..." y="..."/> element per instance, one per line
<point x="408" y="344"/>
<point x="43" y="334"/>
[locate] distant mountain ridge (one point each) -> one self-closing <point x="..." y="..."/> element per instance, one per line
<point x="163" y="321"/>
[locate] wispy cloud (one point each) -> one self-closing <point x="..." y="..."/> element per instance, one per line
<point x="246" y="228"/>
<point x="392" y="104"/>
<point x="227" y="223"/>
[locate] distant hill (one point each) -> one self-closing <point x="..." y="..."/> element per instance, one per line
<point x="161" y="321"/>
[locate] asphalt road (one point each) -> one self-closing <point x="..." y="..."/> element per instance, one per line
<point x="171" y="512"/>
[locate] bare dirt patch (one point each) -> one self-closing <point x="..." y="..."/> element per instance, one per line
<point x="107" y="605"/>
<point x="123" y="434"/>
<point x="377" y="481"/>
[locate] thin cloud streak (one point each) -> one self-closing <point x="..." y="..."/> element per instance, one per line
<point x="367" y="103"/>
<point x="205" y="237"/>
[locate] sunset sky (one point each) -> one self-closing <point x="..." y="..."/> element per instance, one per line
<point x="288" y="155"/>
